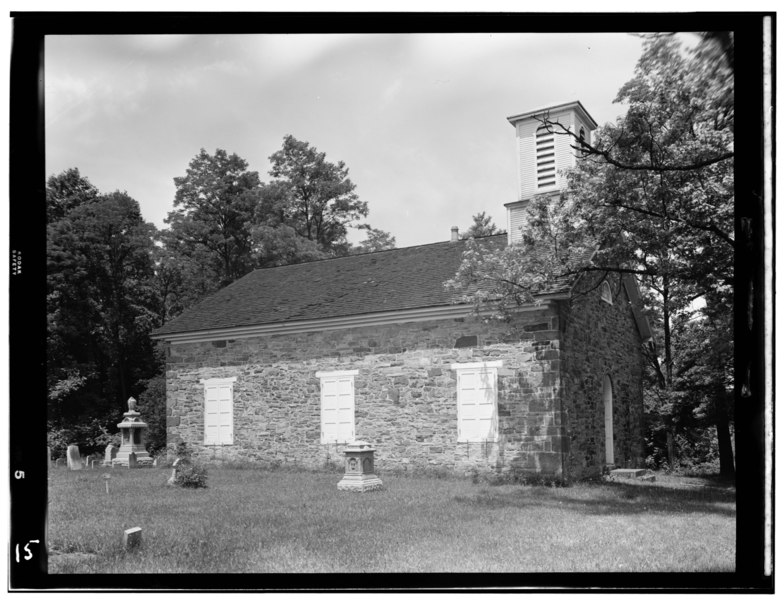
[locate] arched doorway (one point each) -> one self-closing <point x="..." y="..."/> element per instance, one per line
<point x="608" y="421"/>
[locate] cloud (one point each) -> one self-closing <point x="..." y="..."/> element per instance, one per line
<point x="419" y="119"/>
<point x="390" y="93"/>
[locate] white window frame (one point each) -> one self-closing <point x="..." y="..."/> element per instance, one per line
<point x="225" y="438"/>
<point x="335" y="376"/>
<point x="491" y="368"/>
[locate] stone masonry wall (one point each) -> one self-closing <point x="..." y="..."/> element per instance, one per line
<point x="405" y="393"/>
<point x="601" y="339"/>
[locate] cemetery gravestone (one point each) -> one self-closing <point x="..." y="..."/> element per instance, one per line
<point x="360" y="475"/>
<point x="132" y="538"/>
<point x="173" y="477"/>
<point x="60" y="462"/>
<point x="109" y="454"/>
<point x="132" y="429"/>
<point x="74" y="460"/>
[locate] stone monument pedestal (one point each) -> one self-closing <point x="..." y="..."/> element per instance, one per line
<point x="133" y="430"/>
<point x="359" y="476"/>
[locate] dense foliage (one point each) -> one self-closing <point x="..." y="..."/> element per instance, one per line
<point x="651" y="196"/>
<point x="482" y="226"/>
<point x="100" y="304"/>
<point x="112" y="278"/>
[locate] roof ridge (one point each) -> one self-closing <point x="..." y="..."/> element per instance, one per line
<point x="331" y="258"/>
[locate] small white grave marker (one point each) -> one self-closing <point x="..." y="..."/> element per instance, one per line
<point x="109" y="454"/>
<point x="107" y="477"/>
<point x="132" y="538"/>
<point x="74" y="460"/>
<point x="173" y="477"/>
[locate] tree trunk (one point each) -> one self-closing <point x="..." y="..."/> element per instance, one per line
<point x="667" y="331"/>
<point x="670" y="448"/>
<point x="726" y="457"/>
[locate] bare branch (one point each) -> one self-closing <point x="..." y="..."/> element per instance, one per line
<point x="585" y="149"/>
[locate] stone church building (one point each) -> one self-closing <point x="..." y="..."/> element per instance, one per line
<point x="291" y="363"/>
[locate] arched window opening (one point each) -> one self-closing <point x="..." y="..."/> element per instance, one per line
<point x="606" y="293"/>
<point x="607" y="395"/>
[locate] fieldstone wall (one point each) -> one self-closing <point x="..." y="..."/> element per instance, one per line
<point x="601" y="339"/>
<point x="405" y="393"/>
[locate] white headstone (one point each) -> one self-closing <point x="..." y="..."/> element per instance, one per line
<point x="173" y="477"/>
<point x="132" y="538"/>
<point x="60" y="462"/>
<point x="109" y="454"/>
<point x="132" y="460"/>
<point x="74" y="460"/>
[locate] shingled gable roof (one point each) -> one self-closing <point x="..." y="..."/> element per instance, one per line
<point x="378" y="282"/>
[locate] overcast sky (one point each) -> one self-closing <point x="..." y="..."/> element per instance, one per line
<point x="420" y="120"/>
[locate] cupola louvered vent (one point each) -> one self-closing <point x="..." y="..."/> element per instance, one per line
<point x="545" y="154"/>
<point x="545" y="157"/>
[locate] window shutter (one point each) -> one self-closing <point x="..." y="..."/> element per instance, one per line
<point x="225" y="415"/>
<point x="337" y="406"/>
<point x="218" y="411"/>
<point x="211" y="417"/>
<point x="329" y="410"/>
<point x="477" y="397"/>
<point x="485" y="404"/>
<point x="345" y="409"/>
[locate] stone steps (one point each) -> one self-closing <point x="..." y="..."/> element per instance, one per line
<point x="628" y="473"/>
<point x="637" y="474"/>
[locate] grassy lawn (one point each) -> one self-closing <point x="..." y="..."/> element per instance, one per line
<point x="255" y="521"/>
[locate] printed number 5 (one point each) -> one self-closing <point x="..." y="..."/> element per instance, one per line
<point x="29" y="553"/>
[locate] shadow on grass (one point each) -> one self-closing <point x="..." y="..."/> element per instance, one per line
<point x="612" y="498"/>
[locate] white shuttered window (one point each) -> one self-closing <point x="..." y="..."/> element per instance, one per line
<point x="218" y="411"/>
<point x="337" y="406"/>
<point x="477" y="401"/>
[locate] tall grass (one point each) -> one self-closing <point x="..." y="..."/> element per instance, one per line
<point x="253" y="521"/>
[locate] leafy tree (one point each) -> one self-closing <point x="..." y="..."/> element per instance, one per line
<point x="652" y="196"/>
<point x="169" y="283"/>
<point x="313" y="196"/>
<point x="100" y="307"/>
<point x="704" y="381"/>
<point x="482" y="226"/>
<point x="376" y="241"/>
<point x="213" y="217"/>
<point x="282" y="245"/>
<point x="152" y="401"/>
<point x="65" y="192"/>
